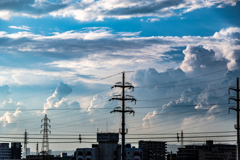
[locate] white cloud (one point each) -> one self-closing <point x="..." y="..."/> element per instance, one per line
<point x="147" y="119"/>
<point x="87" y="10"/>
<point x="20" y="27"/>
<point x="6" y="119"/>
<point x="95" y="50"/>
<point x="5" y="15"/>
<point x="58" y="99"/>
<point x="152" y="20"/>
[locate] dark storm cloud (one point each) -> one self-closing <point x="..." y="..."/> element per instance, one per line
<point x="30" y="7"/>
<point x="150" y="7"/>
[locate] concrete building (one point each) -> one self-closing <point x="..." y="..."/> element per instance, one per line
<point x="49" y="152"/>
<point x="133" y="153"/>
<point x="5" y="151"/>
<point x="10" y="153"/>
<point x="87" y="154"/>
<point x="153" y="150"/>
<point x="64" y="156"/>
<point x="42" y="157"/>
<point x="190" y="152"/>
<point x="108" y="146"/>
<point x="107" y="149"/>
<point x="209" y="151"/>
<point x="16" y="150"/>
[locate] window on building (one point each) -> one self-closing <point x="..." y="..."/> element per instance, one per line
<point x="80" y="153"/>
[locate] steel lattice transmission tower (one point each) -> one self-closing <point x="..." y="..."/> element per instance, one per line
<point x="124" y="85"/>
<point x="45" y="125"/>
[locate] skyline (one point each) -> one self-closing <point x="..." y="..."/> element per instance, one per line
<point x="61" y="58"/>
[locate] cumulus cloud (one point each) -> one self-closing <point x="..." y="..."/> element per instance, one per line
<point x="147" y="119"/>
<point x="14" y="110"/>
<point x="58" y="99"/>
<point x="201" y="98"/>
<point x="95" y="50"/>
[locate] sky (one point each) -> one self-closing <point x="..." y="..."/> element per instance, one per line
<point x="61" y="58"/>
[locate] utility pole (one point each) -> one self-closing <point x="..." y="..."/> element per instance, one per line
<point x="181" y="138"/>
<point x="123" y="110"/>
<point x="237" y="110"/>
<point x="25" y="141"/>
<point x="45" y="144"/>
<point x="37" y="149"/>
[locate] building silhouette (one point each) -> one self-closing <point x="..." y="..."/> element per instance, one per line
<point x="153" y="150"/>
<point x="209" y="151"/>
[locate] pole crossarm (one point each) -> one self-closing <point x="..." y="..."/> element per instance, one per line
<point x="123" y="99"/>
<point x="130" y="111"/>
<point x="232" y="108"/>
<point x="232" y="88"/>
<point x="121" y="86"/>
<point x="232" y="98"/>
<point x="123" y="110"/>
<point x="113" y="111"/>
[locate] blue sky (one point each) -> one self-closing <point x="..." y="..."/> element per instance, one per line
<point x="54" y="54"/>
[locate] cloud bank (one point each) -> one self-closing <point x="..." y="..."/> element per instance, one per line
<point x="98" y="10"/>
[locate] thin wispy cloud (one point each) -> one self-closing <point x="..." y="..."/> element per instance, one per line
<point x="20" y="27"/>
